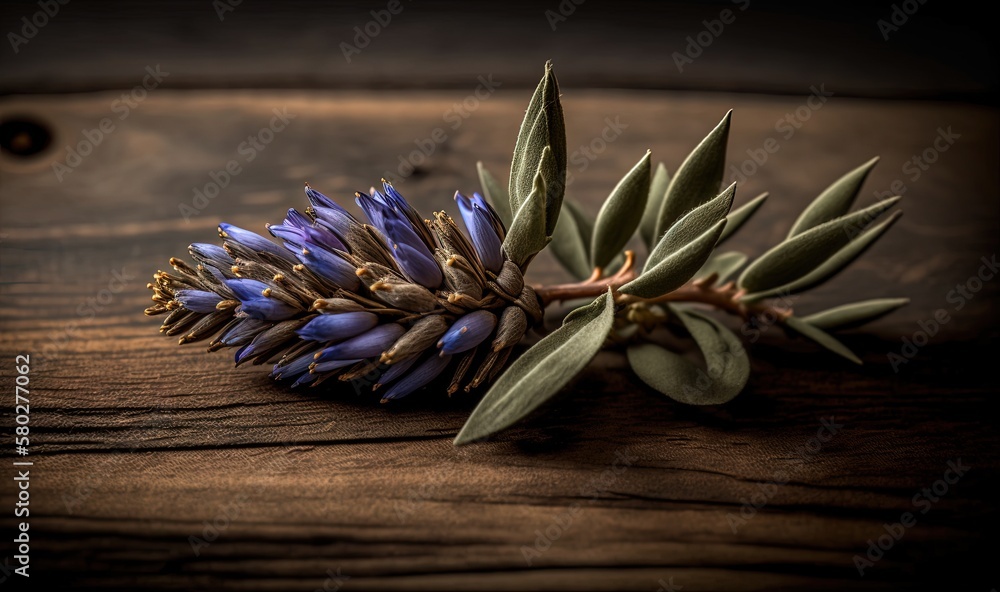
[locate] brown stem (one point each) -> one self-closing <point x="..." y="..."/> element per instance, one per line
<point x="590" y="288"/>
<point x="725" y="297"/>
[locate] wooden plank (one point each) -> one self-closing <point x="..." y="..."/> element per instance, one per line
<point x="139" y="442"/>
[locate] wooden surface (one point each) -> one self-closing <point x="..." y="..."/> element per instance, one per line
<point x="137" y="442"/>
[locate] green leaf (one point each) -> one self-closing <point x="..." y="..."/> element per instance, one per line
<point x="803" y="253"/>
<point x="495" y="194"/>
<point x="724" y="264"/>
<point x="692" y="225"/>
<point x="698" y="178"/>
<point x="831" y="266"/>
<point x="657" y="190"/>
<point x="740" y="215"/>
<point x="821" y="337"/>
<point x="621" y="213"/>
<point x="677" y="268"/>
<point x="727" y="366"/>
<point x="527" y="235"/>
<point x="543" y="126"/>
<point x="541" y="371"/>
<point x="835" y="201"/>
<point x="854" y="314"/>
<point x="571" y="241"/>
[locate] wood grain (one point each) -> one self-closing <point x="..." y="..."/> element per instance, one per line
<point x="138" y="443"/>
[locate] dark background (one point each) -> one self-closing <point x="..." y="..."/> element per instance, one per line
<point x="945" y="50"/>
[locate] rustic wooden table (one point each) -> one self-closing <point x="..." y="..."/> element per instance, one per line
<point x="139" y="445"/>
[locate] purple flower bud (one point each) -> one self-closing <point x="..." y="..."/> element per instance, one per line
<point x="242" y="332"/>
<point x="410" y="250"/>
<point x="427" y="371"/>
<point x="396" y="370"/>
<point x="482" y="223"/>
<point x="330" y="267"/>
<point x="198" y="300"/>
<point x="366" y="345"/>
<point x="293" y="369"/>
<point x="467" y="332"/>
<point x="210" y="254"/>
<point x="417" y="266"/>
<point x="322" y="367"/>
<point x="257" y="306"/>
<point x="338" y="327"/>
<point x="251" y="240"/>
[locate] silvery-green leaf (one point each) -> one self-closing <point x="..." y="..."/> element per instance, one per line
<point x="541" y="371"/>
<point x="527" y="236"/>
<point x="821" y="337"/>
<point x="803" y="253"/>
<point x="740" y="215"/>
<point x="543" y="126"/>
<point x="692" y="225"/>
<point x="698" y="178"/>
<point x="571" y="241"/>
<point x="835" y="201"/>
<point x="831" y="266"/>
<point x="677" y="268"/>
<point x="727" y="366"/>
<point x="495" y="193"/>
<point x="621" y="213"/>
<point x="657" y="190"/>
<point x="854" y="314"/>
<point x="723" y="264"/>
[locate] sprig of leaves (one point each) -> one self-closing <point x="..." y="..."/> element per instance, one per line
<point x="681" y="219"/>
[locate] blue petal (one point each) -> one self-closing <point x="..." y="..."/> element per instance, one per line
<point x="251" y="240"/>
<point x="322" y="367"/>
<point x="467" y="332"/>
<point x="397" y="370"/>
<point x="480" y="223"/>
<point x="246" y="289"/>
<point x="330" y="267"/>
<point x="420" y="376"/>
<point x="338" y="327"/>
<point x="198" y="300"/>
<point x="293" y="369"/>
<point x="258" y="306"/>
<point x="337" y="220"/>
<point x="243" y="332"/>
<point x="366" y="345"/>
<point x="268" y="309"/>
<point x="417" y="266"/>
<point x="210" y="254"/>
